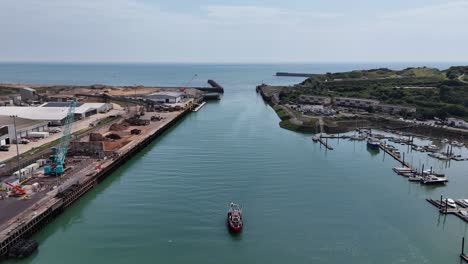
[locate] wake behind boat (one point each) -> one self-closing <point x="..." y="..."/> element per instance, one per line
<point x="234" y="218"/>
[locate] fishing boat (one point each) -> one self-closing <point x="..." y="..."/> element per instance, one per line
<point x="464" y="202"/>
<point x="415" y="178"/>
<point x="373" y="143"/>
<point x="379" y="136"/>
<point x="432" y="179"/>
<point x="451" y="203"/>
<point x="431" y="148"/>
<point x="315" y="138"/>
<point x="234" y="218"/>
<point x="431" y="172"/>
<point x="444" y="140"/>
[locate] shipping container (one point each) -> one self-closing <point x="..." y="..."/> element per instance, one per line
<point x="38" y="134"/>
<point x="32" y="167"/>
<point x="41" y="162"/>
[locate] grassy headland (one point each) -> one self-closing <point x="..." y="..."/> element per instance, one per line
<point x="434" y="93"/>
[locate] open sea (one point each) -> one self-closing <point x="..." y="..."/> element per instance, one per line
<point x="302" y="204"/>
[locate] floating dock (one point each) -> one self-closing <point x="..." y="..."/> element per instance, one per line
<point x="395" y="156"/>
<point x="322" y="142"/>
<point x="443" y="208"/>
<point x="199" y="107"/>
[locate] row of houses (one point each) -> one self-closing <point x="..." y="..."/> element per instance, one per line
<point x="356" y="103"/>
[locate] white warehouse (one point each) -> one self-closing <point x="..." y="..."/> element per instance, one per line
<point x="166" y="97"/>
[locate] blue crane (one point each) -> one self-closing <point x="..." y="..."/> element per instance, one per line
<point x="56" y="161"/>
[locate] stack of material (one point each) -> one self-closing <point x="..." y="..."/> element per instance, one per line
<point x="113" y="136"/>
<point x="95" y="137"/>
<point x="117" y="127"/>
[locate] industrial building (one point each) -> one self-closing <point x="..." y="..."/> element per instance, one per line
<point x="57" y="115"/>
<point x="82" y="110"/>
<point x="28" y="94"/>
<point x="166" y="97"/>
<point x="23" y="127"/>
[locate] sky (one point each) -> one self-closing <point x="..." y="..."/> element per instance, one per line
<point x="241" y="31"/>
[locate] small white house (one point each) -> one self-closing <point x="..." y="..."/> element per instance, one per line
<point x="166" y="97"/>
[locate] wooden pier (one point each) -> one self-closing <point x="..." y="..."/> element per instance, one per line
<point x="396" y="156"/>
<point x="320" y="140"/>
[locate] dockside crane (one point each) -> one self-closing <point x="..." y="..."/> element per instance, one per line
<point x="56" y="162"/>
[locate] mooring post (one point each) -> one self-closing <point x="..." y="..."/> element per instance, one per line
<point x="446" y="200"/>
<point x="441" y="199"/>
<point x="463" y="246"/>
<point x="404" y="159"/>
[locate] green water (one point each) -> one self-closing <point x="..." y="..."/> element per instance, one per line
<point x="302" y="204"/>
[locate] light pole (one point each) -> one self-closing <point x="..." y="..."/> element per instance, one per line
<point x="17" y="149"/>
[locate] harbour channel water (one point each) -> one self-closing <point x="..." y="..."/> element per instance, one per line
<point x="302" y="204"/>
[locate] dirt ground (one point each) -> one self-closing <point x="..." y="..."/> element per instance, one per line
<point x="71" y="90"/>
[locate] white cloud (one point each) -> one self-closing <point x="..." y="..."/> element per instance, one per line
<point x="131" y="30"/>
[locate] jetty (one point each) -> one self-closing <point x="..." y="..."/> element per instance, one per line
<point x="461" y="210"/>
<point x="396" y="156"/>
<point x="199" y="107"/>
<point x="320" y="140"/>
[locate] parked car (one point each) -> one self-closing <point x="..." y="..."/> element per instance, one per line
<point x="24" y="141"/>
<point x="2" y="165"/>
<point x="4" y="148"/>
<point x="55" y="130"/>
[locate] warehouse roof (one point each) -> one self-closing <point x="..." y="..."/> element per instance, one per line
<point x="35" y="113"/>
<point x="21" y="123"/>
<point x="48" y="111"/>
<point x="60" y="104"/>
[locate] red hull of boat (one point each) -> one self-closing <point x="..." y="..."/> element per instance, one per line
<point x="234" y="229"/>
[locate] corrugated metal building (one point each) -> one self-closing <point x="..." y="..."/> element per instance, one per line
<point x="23" y="127"/>
<point x="166" y="97"/>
